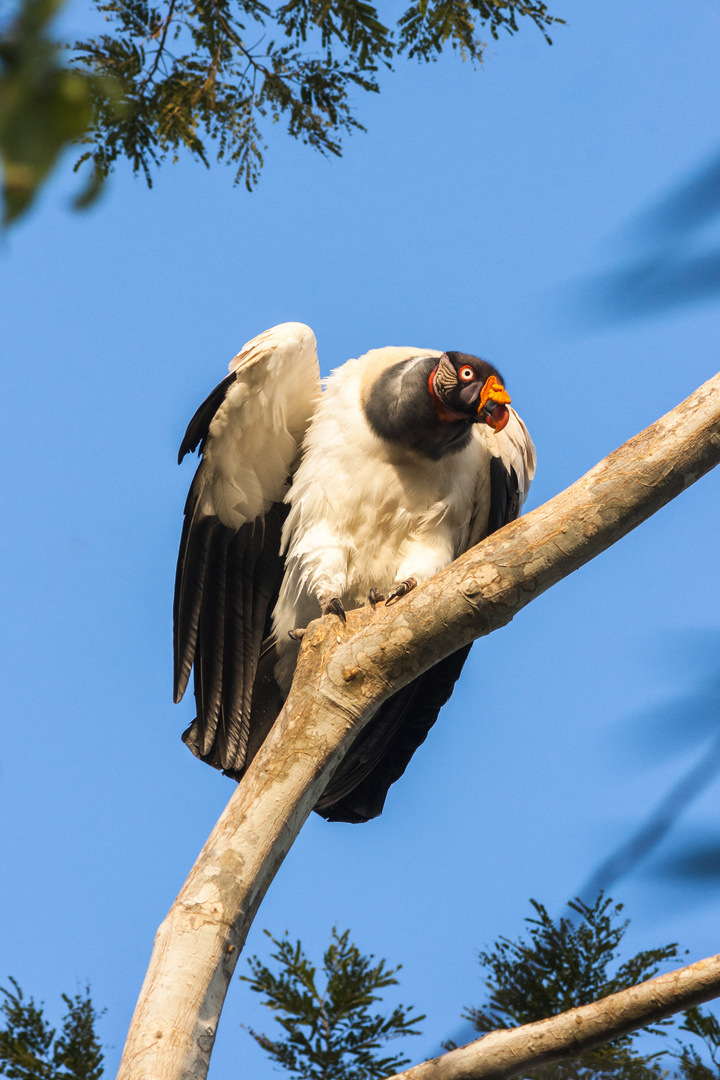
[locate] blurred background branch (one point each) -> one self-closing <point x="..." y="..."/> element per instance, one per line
<point x="44" y="105"/>
<point x="674" y="261"/>
<point x="691" y="719"/>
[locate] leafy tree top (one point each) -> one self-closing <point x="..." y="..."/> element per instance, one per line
<point x="197" y="70"/>
<point x="30" y="1049"/>
<point x="706" y="1027"/>
<point x="184" y="73"/>
<point x="562" y="964"/>
<point x="331" y="1032"/>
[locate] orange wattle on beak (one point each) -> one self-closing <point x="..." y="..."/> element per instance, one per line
<point x="498" y="418"/>
<point x="494" y="400"/>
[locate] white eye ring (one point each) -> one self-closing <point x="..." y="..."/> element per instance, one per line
<point x="466" y="373"/>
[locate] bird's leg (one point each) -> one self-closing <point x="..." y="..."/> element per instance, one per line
<point x="333" y="606"/>
<point x="422" y="557"/>
<point x="400" y="588"/>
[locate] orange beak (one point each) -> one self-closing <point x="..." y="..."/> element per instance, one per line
<point x="494" y="400"/>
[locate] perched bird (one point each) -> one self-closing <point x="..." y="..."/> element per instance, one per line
<point x="308" y="502"/>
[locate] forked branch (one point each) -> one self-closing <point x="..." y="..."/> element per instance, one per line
<point x="343" y="674"/>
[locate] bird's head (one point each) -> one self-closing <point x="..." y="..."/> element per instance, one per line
<point x="463" y="387"/>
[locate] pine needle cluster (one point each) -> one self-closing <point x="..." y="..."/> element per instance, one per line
<point x="565" y="963"/>
<point x="30" y="1049"/>
<point x="330" y="1030"/>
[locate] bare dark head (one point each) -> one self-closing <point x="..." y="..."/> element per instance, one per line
<point x="430" y="404"/>
<point x="464" y="387"/>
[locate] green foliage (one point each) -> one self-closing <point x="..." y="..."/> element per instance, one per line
<point x="193" y="70"/>
<point x="426" y="27"/>
<point x="30" y="1049"/>
<point x="564" y="964"/>
<point x="707" y="1028"/>
<point x="44" y="105"/>
<point x="77" y="1051"/>
<point x="330" y="1033"/>
<point x="179" y="73"/>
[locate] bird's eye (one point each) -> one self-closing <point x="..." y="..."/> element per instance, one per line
<point x="466" y="373"/>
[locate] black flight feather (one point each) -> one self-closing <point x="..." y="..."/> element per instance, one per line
<point x="197" y="429"/>
<point x="225" y="584"/>
<point x="240" y="662"/>
<point x="504" y="495"/>
<point x="211" y="636"/>
<point x="189" y="577"/>
<point x="229" y="728"/>
<point x="239" y="587"/>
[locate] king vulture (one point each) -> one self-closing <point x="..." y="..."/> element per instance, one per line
<point x="308" y="502"/>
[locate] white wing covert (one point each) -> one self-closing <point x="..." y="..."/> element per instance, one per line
<point x="517" y="452"/>
<point x="512" y="468"/>
<point x="249" y="431"/>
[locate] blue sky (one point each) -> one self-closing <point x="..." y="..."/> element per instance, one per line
<point x="472" y="216"/>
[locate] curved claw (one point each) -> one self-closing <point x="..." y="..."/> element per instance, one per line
<point x="401" y="589"/>
<point x="334" y="607"/>
<point x="374" y="597"/>
<point x="297" y="634"/>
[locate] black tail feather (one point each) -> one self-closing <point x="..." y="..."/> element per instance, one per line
<point x="383" y="749"/>
<point x="211" y="637"/>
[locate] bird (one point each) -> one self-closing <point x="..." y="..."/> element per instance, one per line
<point x="313" y="499"/>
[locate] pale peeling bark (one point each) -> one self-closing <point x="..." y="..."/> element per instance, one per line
<point x="343" y="674"/>
<point x="502" y="1054"/>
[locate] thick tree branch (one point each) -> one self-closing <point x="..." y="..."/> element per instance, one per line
<point x="343" y="674"/>
<point x="502" y="1054"/>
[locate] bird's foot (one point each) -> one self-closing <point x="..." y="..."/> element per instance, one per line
<point x="297" y="634"/>
<point x="334" y="607"/>
<point x="402" y="588"/>
<point x="374" y="597"/>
